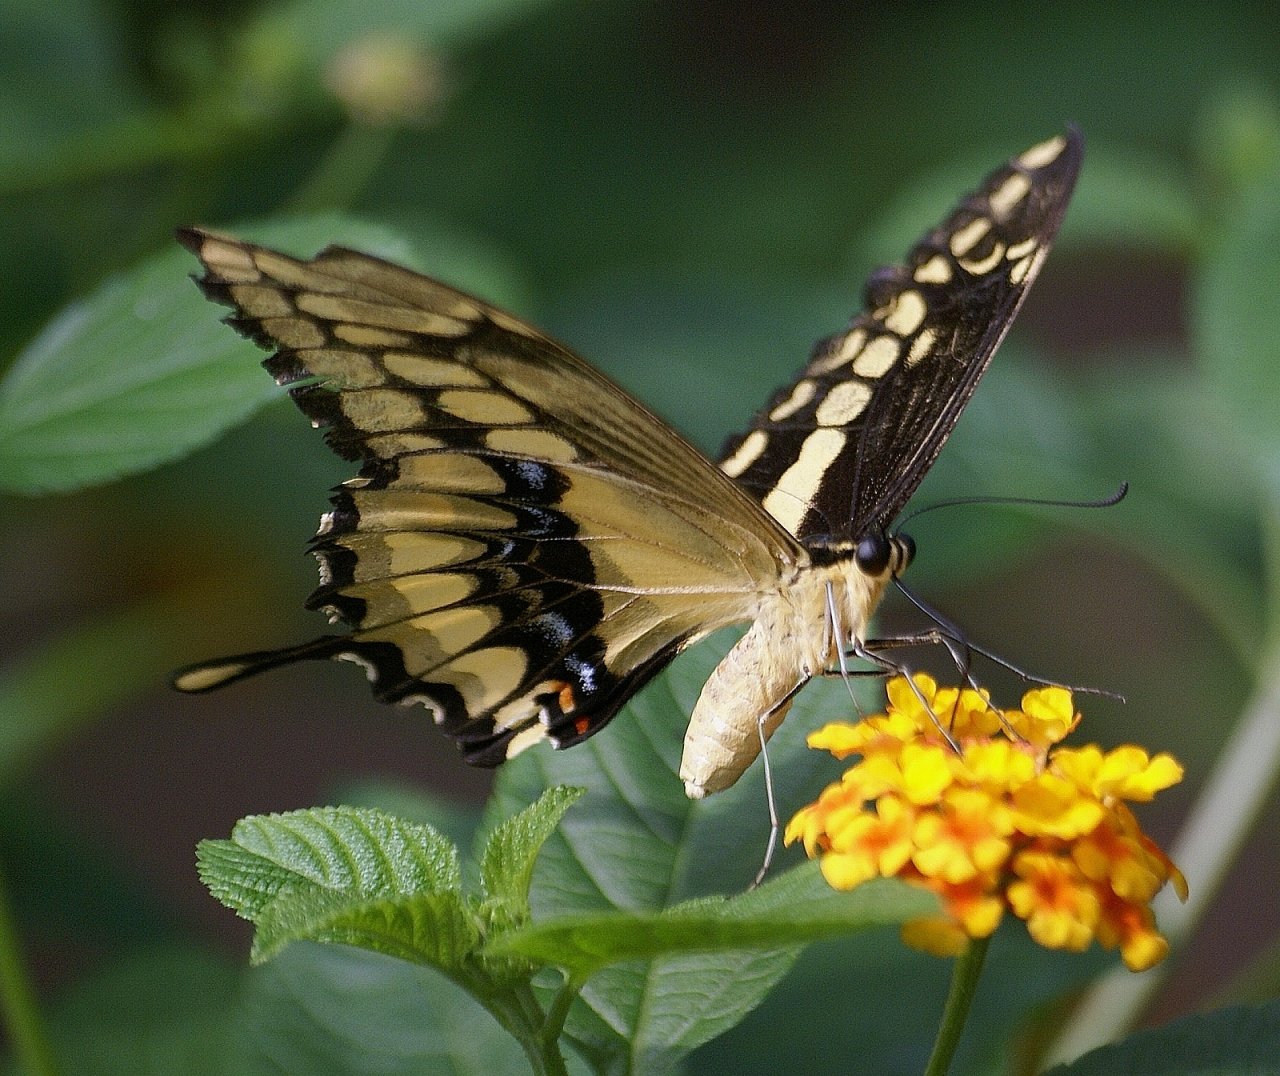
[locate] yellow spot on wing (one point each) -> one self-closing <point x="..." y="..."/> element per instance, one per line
<point x="485" y="408"/>
<point x="843" y="403"/>
<point x="789" y="500"/>
<point x="921" y="347"/>
<point x="293" y="332"/>
<point x="1021" y="250"/>
<point x="348" y="369"/>
<point x="937" y="270"/>
<point x="1009" y="194"/>
<point x="1020" y="270"/>
<point x="230" y="261"/>
<point x="908" y="312"/>
<point x="407" y="510"/>
<point x="746" y="453"/>
<point x="540" y="444"/>
<point x="525" y="739"/>
<point x="980" y="266"/>
<point x="844" y="350"/>
<point x="877" y="357"/>
<point x="1044" y="153"/>
<point x="428" y="371"/>
<point x="379" y="410"/>
<point x="486" y="677"/>
<point x="964" y="239"/>
<point x="402" y="552"/>
<point x="387" y="445"/>
<point x="801" y="394"/>
<point x="344" y="308"/>
<point x="453" y="472"/>
<point x="261" y="301"/>
<point x="368" y="336"/>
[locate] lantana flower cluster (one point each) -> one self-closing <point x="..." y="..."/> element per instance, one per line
<point x="995" y="816"/>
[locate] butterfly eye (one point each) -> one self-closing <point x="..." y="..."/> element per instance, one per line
<point x="872" y="554"/>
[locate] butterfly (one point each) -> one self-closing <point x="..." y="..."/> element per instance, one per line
<point x="526" y="545"/>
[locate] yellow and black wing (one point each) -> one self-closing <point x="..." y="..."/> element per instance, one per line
<point x="837" y="453"/>
<point x="525" y="544"/>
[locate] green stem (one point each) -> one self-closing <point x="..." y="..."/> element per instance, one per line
<point x="21" y="1015"/>
<point x="964" y="984"/>
<point x="553" y="1027"/>
<point x="345" y="169"/>
<point x="519" y="1012"/>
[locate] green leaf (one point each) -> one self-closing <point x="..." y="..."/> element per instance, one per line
<point x="506" y="866"/>
<point x="435" y="929"/>
<point x="638" y="845"/>
<point x="350" y="852"/>
<point x="1240" y="1040"/>
<point x="142" y="371"/>
<point x="795" y="908"/>
<point x="333" y="1011"/>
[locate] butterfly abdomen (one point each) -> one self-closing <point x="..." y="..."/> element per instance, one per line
<point x="798" y="633"/>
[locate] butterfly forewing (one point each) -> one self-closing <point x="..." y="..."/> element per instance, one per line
<point x="840" y="450"/>
<point x="525" y="544"/>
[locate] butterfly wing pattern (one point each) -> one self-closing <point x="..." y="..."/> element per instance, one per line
<point x="526" y="545"/>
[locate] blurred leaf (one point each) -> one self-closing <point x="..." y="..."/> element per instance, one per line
<point x="65" y="72"/>
<point x="319" y="28"/>
<point x="142" y="371"/>
<point x="1145" y="419"/>
<point x="1237" y="326"/>
<point x="157" y="1012"/>
<point x="1243" y="1040"/>
<point x="637" y="844"/>
<point x="329" y="1010"/>
<point x="81" y="674"/>
<point x="1239" y="135"/>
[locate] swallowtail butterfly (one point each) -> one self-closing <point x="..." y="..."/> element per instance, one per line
<point x="526" y="544"/>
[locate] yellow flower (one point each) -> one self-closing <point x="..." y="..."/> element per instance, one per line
<point x="994" y="816"/>
<point x="968" y="835"/>
<point x="1054" y="897"/>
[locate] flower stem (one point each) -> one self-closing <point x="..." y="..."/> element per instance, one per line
<point x="345" y="170"/>
<point x="17" y="999"/>
<point x="964" y="984"/>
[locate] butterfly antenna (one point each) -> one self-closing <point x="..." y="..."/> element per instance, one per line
<point x="1109" y="501"/>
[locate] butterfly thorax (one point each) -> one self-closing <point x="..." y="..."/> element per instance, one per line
<point x="799" y="632"/>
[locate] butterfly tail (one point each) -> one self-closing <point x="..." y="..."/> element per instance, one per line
<point x="210" y="675"/>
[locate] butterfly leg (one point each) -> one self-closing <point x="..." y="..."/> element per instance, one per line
<point x="874" y="654"/>
<point x="762" y="724"/>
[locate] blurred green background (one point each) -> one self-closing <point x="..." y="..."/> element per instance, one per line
<point x="689" y="194"/>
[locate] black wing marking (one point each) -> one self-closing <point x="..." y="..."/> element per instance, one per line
<point x="839" y="451"/>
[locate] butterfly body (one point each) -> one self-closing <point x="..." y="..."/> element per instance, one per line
<point x="797" y="632"/>
<point x="526" y="545"/>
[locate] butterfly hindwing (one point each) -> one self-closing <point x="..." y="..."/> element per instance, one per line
<point x="839" y="451"/>
<point x="524" y="545"/>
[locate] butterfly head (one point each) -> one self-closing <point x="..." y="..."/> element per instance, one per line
<point x="877" y="554"/>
